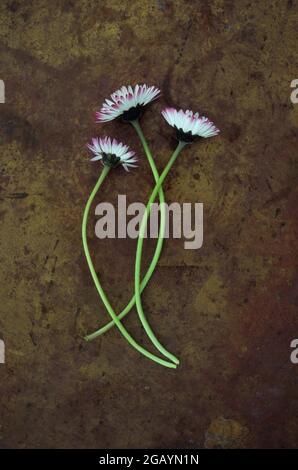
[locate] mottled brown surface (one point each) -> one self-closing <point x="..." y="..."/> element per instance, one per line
<point x="228" y="310"/>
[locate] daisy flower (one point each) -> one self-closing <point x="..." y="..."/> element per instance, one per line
<point x="189" y="125"/>
<point x="127" y="103"/>
<point x="112" y="153"/>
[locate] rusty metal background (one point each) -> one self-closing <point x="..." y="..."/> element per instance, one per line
<point x="228" y="310"/>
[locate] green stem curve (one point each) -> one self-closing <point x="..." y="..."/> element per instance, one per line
<point x="100" y="290"/>
<point x="159" y="244"/>
<point x="141" y="313"/>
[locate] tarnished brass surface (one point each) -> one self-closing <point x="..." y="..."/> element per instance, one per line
<point x="229" y="309"/>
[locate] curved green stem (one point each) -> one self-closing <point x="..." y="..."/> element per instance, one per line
<point x="100" y="290"/>
<point x="159" y="244"/>
<point x="141" y="313"/>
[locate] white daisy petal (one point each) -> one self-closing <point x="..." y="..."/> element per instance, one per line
<point x="94" y="159"/>
<point x="112" y="153"/>
<point x="189" y="125"/>
<point x="124" y="100"/>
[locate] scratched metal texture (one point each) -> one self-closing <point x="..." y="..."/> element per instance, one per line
<point x="229" y="309"/>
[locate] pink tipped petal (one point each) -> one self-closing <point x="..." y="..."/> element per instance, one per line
<point x="188" y="122"/>
<point x="106" y="146"/>
<point x="124" y="99"/>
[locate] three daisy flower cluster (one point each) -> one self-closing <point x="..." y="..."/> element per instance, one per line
<point x="127" y="105"/>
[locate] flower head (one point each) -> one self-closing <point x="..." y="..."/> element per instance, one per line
<point x="112" y="153"/>
<point x="127" y="103"/>
<point x="189" y="125"/>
